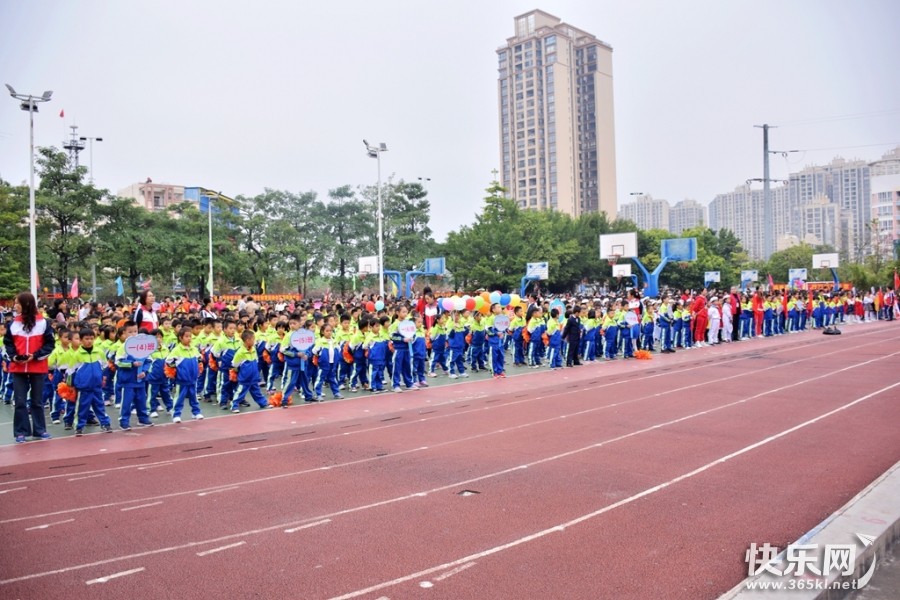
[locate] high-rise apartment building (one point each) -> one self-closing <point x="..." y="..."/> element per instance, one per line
<point x="885" y="188"/>
<point x="686" y="214"/>
<point x="742" y="212"/>
<point x="557" y="136"/>
<point x="646" y="212"/>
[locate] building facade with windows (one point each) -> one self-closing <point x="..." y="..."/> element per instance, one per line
<point x="686" y="214"/>
<point x="646" y="212"/>
<point x="885" y="189"/>
<point x="557" y="134"/>
<point x="153" y="196"/>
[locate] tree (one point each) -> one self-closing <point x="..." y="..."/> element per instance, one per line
<point x="298" y="233"/>
<point x="66" y="210"/>
<point x="14" y="241"/>
<point x="407" y="236"/>
<point x="256" y="232"/>
<point x="349" y="227"/>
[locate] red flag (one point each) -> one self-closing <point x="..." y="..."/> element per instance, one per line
<point x="146" y="284"/>
<point x="771" y="281"/>
<point x="73" y="293"/>
<point x="62" y="114"/>
<point x="896" y="281"/>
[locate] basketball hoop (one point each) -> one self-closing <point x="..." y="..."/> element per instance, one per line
<point x="439" y="277"/>
<point x="363" y="275"/>
<point x="613" y="259"/>
<point x="683" y="265"/>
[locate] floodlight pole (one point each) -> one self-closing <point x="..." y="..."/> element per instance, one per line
<point x="29" y="103"/>
<point x="375" y="152"/>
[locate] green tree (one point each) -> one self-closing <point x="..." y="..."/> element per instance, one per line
<point x="349" y="229"/>
<point x="407" y="236"/>
<point x="14" y="242"/>
<point x="298" y="233"/>
<point x="66" y="210"/>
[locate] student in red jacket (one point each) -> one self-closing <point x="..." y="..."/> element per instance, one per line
<point x="28" y="342"/>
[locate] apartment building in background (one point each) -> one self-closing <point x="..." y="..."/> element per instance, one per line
<point x="685" y="215"/>
<point x="646" y="212"/>
<point x="555" y="100"/>
<point x="885" y="189"/>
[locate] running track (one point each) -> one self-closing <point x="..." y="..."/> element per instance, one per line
<point x="638" y="479"/>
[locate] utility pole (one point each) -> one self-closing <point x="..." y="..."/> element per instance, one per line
<point x="768" y="216"/>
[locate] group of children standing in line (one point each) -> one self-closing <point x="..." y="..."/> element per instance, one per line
<point x="223" y="361"/>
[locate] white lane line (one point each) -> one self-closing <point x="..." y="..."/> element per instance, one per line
<point x="106" y="578"/>
<point x="86" y="477"/>
<point x="13" y="490"/>
<point x="629" y="382"/>
<point x="454" y="485"/>
<point x="453" y="572"/>
<point x="46" y="525"/>
<point x="127" y="508"/>
<point x="227" y="489"/>
<point x="591" y="515"/>
<point x="144" y="468"/>
<point x="307" y="526"/>
<point x="666" y="392"/>
<point x="220" y="548"/>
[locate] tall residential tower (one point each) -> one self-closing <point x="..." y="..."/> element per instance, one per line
<point x="557" y="137"/>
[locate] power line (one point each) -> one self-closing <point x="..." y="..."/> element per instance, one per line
<point x="842" y="117"/>
<point x="849" y="147"/>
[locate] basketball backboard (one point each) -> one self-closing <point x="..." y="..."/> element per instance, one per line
<point x="825" y="261"/>
<point x="620" y="245"/>
<point x="621" y="270"/>
<point x="368" y="264"/>
<point x="679" y="249"/>
<point x="434" y="266"/>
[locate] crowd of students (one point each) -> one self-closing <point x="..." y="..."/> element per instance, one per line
<point x="283" y="353"/>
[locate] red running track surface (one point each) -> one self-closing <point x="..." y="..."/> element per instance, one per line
<point x="639" y="479"/>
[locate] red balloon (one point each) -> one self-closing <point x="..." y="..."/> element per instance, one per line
<point x="470" y="303"/>
<point x="370" y="306"/>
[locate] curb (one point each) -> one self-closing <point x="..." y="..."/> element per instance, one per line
<point x="874" y="512"/>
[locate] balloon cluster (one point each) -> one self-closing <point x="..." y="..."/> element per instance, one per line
<point x="481" y="303"/>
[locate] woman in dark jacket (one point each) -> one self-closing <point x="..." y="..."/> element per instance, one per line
<point x="28" y="342"/>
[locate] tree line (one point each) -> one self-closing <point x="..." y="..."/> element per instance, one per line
<point x="298" y="242"/>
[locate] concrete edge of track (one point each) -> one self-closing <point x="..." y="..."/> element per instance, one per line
<point x="874" y="513"/>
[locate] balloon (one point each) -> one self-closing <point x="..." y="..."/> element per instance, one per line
<point x="466" y="297"/>
<point x="504" y="299"/>
<point x="379" y="305"/>
<point x="479" y="302"/>
<point x="470" y="303"/>
<point x="486" y="297"/>
<point x="494" y="297"/>
<point x="447" y="304"/>
<point x="485" y="309"/>
<point x="370" y="306"/>
<point x="514" y="300"/>
<point x="459" y="304"/>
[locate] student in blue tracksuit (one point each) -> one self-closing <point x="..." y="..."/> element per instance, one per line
<point x="517" y="324"/>
<point x="132" y="374"/>
<point x="554" y="340"/>
<point x="456" y="337"/>
<point x="376" y="345"/>
<point x="87" y="378"/>
<point x="244" y="371"/>
<point x="224" y="351"/>
<point x="439" y="345"/>
<point x="158" y="385"/>
<point x="476" y="352"/>
<point x="296" y="366"/>
<point x="360" y="377"/>
<point x="328" y="354"/>
<point x="648" y="324"/>
<point x="273" y="347"/>
<point x="185" y="359"/>
<point x="496" y="338"/>
<point x="665" y="321"/>
<point x="611" y="333"/>
<point x="419" y="352"/>
<point x="535" y="329"/>
<point x="402" y="360"/>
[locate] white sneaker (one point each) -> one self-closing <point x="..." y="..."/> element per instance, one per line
<point x="176" y="420"/>
<point x="453" y="376"/>
<point x="154" y="414"/>
<point x="432" y="374"/>
<point x="56" y="421"/>
<point x="198" y="417"/>
<point x="398" y="390"/>
<point x="465" y="375"/>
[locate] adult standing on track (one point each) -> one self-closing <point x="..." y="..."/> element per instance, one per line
<point x="701" y="318"/>
<point x="28" y="342"/>
<point x="428" y="307"/>
<point x="144" y="316"/>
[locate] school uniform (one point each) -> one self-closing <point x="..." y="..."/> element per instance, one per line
<point x="245" y="366"/>
<point x="328" y="353"/>
<point x="186" y="360"/>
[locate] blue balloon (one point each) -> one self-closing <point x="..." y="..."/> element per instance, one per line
<point x="504" y="299"/>
<point x="495" y="297"/>
<point x="379" y="305"/>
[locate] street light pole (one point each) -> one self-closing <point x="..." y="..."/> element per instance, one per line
<point x="30" y="103"/>
<point x="375" y="152"/>
<point x="91" y="152"/>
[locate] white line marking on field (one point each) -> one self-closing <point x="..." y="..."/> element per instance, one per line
<point x="605" y="509"/>
<point x="165" y="464"/>
<point x="13" y="490"/>
<point x="307" y="526"/>
<point x="46" y="525"/>
<point x="86" y="477"/>
<point x="220" y="548"/>
<point x="453" y="572"/>
<point x="106" y="578"/>
<point x="227" y="489"/>
<point x="425" y="584"/>
<point x="127" y="508"/>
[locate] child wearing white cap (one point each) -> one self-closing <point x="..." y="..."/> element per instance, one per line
<point x="715" y="319"/>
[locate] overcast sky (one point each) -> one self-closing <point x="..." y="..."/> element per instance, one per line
<point x="239" y="96"/>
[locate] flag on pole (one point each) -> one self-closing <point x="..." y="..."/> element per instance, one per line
<point x="62" y="114"/>
<point x="771" y="281"/>
<point x="262" y="285"/>
<point x="146" y="284"/>
<point x="120" y="287"/>
<point x="73" y="293"/>
<point x="896" y="282"/>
